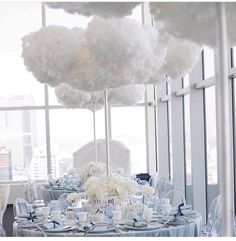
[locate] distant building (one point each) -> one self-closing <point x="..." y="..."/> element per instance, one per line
<point x="5" y="164"/>
<point x="18" y="133"/>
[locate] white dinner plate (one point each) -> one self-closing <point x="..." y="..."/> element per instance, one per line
<point x="101" y="229"/>
<point x="149" y="227"/>
<point x="60" y="229"/>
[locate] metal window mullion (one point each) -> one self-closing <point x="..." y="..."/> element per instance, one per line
<point x="197" y="141"/>
<point x="162" y="132"/>
<point x="150" y="130"/>
<point x="47" y="121"/>
<point x="233" y="121"/>
<point x="178" y="151"/>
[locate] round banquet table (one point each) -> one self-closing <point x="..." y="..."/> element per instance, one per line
<point x="49" y="194"/>
<point x="193" y="229"/>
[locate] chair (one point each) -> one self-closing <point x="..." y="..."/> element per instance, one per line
<point x="31" y="190"/>
<point x="119" y="155"/>
<point x="176" y="197"/>
<point x="4" y="194"/>
<point x="163" y="186"/>
<point x="21" y="208"/>
<point x="20" y="227"/>
<point x="214" y="218"/>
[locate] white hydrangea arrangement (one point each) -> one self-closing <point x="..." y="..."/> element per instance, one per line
<point x="100" y="188"/>
<point x="72" y="172"/>
<point x="92" y="169"/>
<point x="95" y="189"/>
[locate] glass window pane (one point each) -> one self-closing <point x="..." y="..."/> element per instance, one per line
<point x="211" y="148"/>
<point x="70" y="130"/>
<point x="128" y="126"/>
<point x="61" y="17"/>
<point x="22" y="145"/>
<point x="18" y="86"/>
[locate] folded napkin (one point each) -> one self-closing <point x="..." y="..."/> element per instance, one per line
<point x="135" y="223"/>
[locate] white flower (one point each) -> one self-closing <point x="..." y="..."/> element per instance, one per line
<point x="95" y="188"/>
<point x="148" y="190"/>
<point x="72" y="172"/>
<point x="92" y="169"/>
<point x="75" y="197"/>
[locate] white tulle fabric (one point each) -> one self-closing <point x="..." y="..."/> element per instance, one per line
<point x="195" y="21"/>
<point x="4" y="194"/>
<point x="102" y="9"/>
<point x="72" y="98"/>
<point x="106" y="55"/>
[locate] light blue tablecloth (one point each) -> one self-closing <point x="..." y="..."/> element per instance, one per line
<point x="192" y="229"/>
<point x="52" y="194"/>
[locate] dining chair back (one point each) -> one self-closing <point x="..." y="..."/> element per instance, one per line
<point x="119" y="155"/>
<point x="21" y="208"/>
<point x="4" y="195"/>
<point x="214" y="218"/>
<point x="176" y="197"/>
<point x="163" y="186"/>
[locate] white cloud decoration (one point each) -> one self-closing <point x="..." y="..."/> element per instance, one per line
<point x="50" y="52"/>
<point x="106" y="55"/>
<point x="102" y="9"/>
<point x="195" y="21"/>
<point x="73" y="98"/>
<point x="127" y="95"/>
<point x="182" y="55"/>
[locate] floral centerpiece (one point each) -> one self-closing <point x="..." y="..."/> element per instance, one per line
<point x="74" y="197"/>
<point x="92" y="169"/>
<point x="72" y="172"/>
<point x="118" y="187"/>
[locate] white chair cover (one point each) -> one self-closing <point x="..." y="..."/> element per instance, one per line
<point x="4" y="194"/>
<point x="21" y="207"/>
<point x="119" y="155"/>
<point x="176" y="197"/>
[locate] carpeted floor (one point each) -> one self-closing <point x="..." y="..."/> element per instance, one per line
<point x="8" y="220"/>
